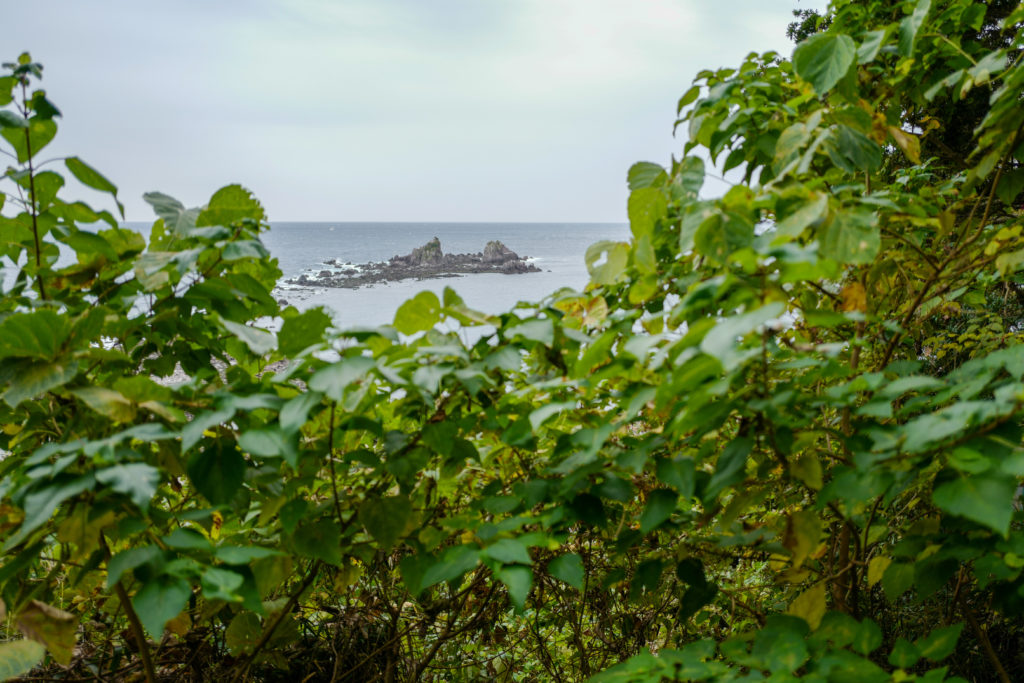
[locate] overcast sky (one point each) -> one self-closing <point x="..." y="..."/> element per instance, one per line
<point x="382" y="110"/>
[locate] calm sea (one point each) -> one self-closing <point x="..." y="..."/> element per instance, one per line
<point x="556" y="248"/>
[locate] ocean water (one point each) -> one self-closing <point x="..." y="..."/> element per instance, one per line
<point x="556" y="248"/>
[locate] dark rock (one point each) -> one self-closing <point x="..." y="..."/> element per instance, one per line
<point x="282" y="302"/>
<point x="428" y="261"/>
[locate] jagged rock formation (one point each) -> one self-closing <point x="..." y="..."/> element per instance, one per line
<point x="428" y="261"/>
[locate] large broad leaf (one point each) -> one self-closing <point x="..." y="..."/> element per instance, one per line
<point x="987" y="500"/>
<point x="107" y="402"/>
<point x="31" y="380"/>
<point x="319" y="540"/>
<point x="160" y="600"/>
<point x="39" y="334"/>
<point x="568" y="568"/>
<point x="455" y="562"/>
<point x="851" y="237"/>
<point x="18" y="657"/>
<point x="723" y="340"/>
<point x="645" y="174"/>
<point x="606" y="261"/>
<point x="823" y="59"/>
<point x="661" y="503"/>
<point x="518" y="580"/>
<point x="90" y="177"/>
<point x="303" y="330"/>
<point x="260" y="342"/>
<point x="911" y="25"/>
<point x="386" y="518"/>
<point x="418" y="314"/>
<point x="137" y="480"/>
<point x="645" y="207"/>
<point x="808" y="213"/>
<point x="50" y="626"/>
<point x="333" y="379"/>
<point x="41" y="503"/>
<point x="40" y="132"/>
<point x="217" y="472"/>
<point x="509" y="551"/>
<point x="229" y="205"/>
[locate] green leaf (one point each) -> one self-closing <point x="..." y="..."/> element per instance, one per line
<point x="871" y="44"/>
<point x="136" y="480"/>
<point x="722" y="341"/>
<point x="455" y="562"/>
<point x="31" y="380"/>
<point x="509" y="551"/>
<point x="187" y="539"/>
<point x="518" y="580"/>
<point x="940" y="643"/>
<point x="897" y="579"/>
<point x="260" y="342"/>
<point x="319" y="540"/>
<point x="9" y="119"/>
<point x="243" y="633"/>
<point x="160" y="600"/>
<point x="222" y="584"/>
<point x="386" y="518"/>
<point x="851" y="237"/>
<point x="18" y="657"/>
<point x="985" y="499"/>
<point x="568" y="568"/>
<point x="40" y="132"/>
<point x="540" y="330"/>
<point x="39" y="334"/>
<point x="303" y="330"/>
<point x="336" y="377"/>
<point x="107" y="402"/>
<point x="730" y="467"/>
<point x="679" y="473"/>
<point x="646" y="207"/>
<point x="661" y="503"/>
<point x="40" y="503"/>
<point x="90" y="177"/>
<point x="230" y="205"/>
<point x="780" y="646"/>
<point x="904" y="655"/>
<point x="910" y="26"/>
<point x="853" y="151"/>
<point x="606" y="261"/>
<point x="867" y="638"/>
<point x="418" y="314"/>
<point x="808" y="213"/>
<point x="217" y="472"/>
<point x="128" y="560"/>
<point x="645" y="174"/>
<point x="823" y="59"/>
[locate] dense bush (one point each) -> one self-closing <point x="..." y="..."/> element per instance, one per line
<point x="778" y="436"/>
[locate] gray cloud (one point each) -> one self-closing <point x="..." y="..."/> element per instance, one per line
<point x="383" y="109"/>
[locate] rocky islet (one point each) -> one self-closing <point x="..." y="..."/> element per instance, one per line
<point x="426" y="262"/>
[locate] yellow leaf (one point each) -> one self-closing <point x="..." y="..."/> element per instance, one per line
<point x="854" y="297"/>
<point x="807" y="468"/>
<point x="876" y="569"/>
<point x="810" y="605"/>
<point x="801" y="538"/>
<point x="50" y="626"/>
<point x="216" y="524"/>
<point x="908" y="142"/>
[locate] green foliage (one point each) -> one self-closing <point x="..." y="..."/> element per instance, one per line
<point x="737" y="454"/>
